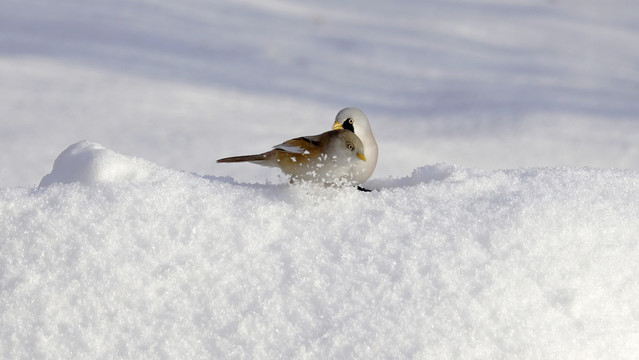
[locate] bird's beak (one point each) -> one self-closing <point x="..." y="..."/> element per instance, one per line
<point x="361" y="156"/>
<point x="338" y="126"/>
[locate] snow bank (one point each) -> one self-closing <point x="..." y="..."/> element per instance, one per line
<point x="117" y="257"/>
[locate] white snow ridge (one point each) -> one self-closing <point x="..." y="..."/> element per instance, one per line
<point x="445" y="263"/>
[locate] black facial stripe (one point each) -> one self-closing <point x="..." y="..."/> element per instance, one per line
<point x="348" y="125"/>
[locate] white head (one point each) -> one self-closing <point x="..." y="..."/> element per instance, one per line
<point x="353" y="119"/>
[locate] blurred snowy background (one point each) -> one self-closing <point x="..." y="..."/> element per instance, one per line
<point x="489" y="84"/>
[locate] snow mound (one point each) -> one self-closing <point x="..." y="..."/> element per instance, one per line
<point x="91" y="163"/>
<point x="126" y="259"/>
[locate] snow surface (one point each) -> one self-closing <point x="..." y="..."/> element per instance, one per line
<point x="136" y="244"/>
<point x="444" y="263"/>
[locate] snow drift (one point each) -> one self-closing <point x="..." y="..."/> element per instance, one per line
<point x="114" y="256"/>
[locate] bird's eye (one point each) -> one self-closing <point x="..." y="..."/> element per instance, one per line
<point x="350" y="121"/>
<point x="350" y="146"/>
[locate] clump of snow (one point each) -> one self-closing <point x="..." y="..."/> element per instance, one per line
<point x="448" y="262"/>
<point x="91" y="163"/>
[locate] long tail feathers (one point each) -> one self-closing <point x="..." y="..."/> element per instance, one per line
<point x="243" y="158"/>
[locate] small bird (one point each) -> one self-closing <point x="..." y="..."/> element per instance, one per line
<point x="353" y="119"/>
<point x="336" y="157"/>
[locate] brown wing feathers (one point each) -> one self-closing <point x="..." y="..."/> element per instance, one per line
<point x="301" y="146"/>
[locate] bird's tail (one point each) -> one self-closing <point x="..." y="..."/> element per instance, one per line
<point x="243" y="158"/>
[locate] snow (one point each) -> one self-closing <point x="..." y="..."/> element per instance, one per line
<point x="447" y="262"/>
<point x="136" y="244"/>
<point x="91" y="163"/>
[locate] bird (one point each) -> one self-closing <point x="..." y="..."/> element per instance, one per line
<point x="336" y="157"/>
<point x="354" y="119"/>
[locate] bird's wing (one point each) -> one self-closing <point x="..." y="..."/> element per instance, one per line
<point x="301" y="145"/>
